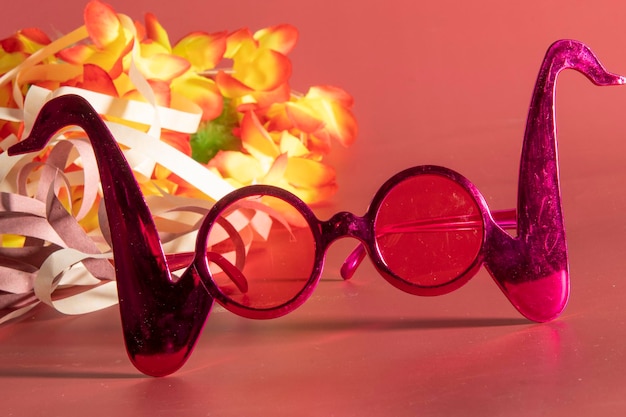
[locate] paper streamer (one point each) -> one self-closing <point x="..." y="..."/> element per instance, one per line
<point x="46" y="201"/>
<point x="56" y="247"/>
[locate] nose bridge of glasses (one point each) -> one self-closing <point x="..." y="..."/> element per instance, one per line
<point x="345" y="224"/>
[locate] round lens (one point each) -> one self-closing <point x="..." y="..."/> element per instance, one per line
<point x="261" y="252"/>
<point x="428" y="230"/>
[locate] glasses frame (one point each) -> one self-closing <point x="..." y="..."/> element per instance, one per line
<point x="162" y="317"/>
<point x="341" y="225"/>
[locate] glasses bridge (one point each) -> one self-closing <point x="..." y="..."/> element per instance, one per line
<point x="345" y="224"/>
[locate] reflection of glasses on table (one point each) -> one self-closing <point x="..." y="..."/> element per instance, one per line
<point x="260" y="250"/>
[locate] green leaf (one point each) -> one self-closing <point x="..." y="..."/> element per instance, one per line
<point x="216" y="135"/>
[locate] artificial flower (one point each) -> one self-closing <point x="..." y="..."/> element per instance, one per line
<point x="197" y="117"/>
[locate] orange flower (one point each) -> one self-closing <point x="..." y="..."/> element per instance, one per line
<point x="261" y="69"/>
<point x="111" y="41"/>
<point x="220" y="98"/>
<point x="254" y="128"/>
<point x="19" y="46"/>
<point x="324" y="114"/>
<point x="116" y="42"/>
<point x="13" y="51"/>
<point x="276" y="158"/>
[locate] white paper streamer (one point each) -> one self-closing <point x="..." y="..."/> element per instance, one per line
<point x="63" y="270"/>
<point x="99" y="296"/>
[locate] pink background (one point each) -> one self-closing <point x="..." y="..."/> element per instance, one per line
<point x="444" y="83"/>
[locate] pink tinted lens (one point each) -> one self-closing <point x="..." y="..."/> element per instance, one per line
<point x="428" y="230"/>
<point x="272" y="245"/>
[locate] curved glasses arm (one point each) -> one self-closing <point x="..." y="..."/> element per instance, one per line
<point x="161" y="319"/>
<point x="532" y="269"/>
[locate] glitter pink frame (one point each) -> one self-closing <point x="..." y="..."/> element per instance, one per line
<point x="162" y="318"/>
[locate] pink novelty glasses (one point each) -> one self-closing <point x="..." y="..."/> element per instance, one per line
<point x="260" y="250"/>
<point x="427" y="230"/>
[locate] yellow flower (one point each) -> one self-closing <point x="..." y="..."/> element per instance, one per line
<point x="261" y="69"/>
<point x="254" y="128"/>
<point x="276" y="158"/>
<point x="324" y="114"/>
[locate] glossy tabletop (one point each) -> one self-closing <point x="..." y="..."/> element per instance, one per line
<point x="444" y="84"/>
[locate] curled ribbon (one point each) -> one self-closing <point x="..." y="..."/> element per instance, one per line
<point x="59" y="263"/>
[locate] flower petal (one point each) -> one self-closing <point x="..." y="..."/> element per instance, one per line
<point x="98" y="80"/>
<point x="265" y="99"/>
<point x="303" y="172"/>
<point x="102" y="23"/>
<point x="201" y="91"/>
<point x="280" y="38"/>
<point x="140" y="31"/>
<point x="291" y="145"/>
<point x="256" y="140"/>
<point x="6" y="96"/>
<point x="329" y="92"/>
<point x="25" y="40"/>
<point x="10" y="61"/>
<point x="149" y="48"/>
<point x="339" y="122"/>
<point x="236" y="39"/>
<point x="36" y="35"/>
<point x="123" y="84"/>
<point x="303" y="117"/>
<point x="177" y="140"/>
<point x="111" y="60"/>
<point x="262" y="69"/>
<point x="78" y="54"/>
<point x="203" y="51"/>
<point x="315" y="195"/>
<point x="241" y="167"/>
<point x="230" y="87"/>
<point x="161" y="90"/>
<point x="319" y="143"/>
<point x="163" y="67"/>
<point x="156" y="32"/>
<point x="276" y="173"/>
